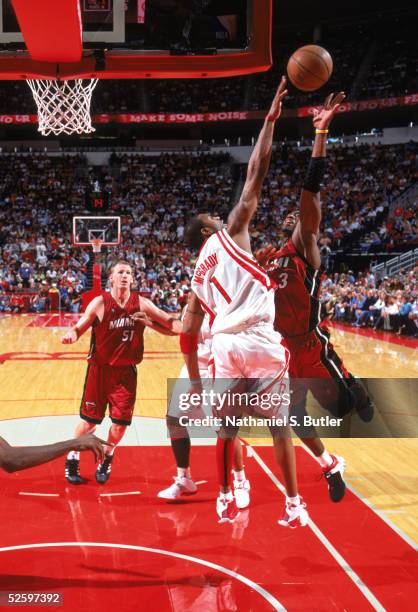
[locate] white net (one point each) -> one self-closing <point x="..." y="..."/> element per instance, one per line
<point x="96" y="243"/>
<point x="63" y="106"/>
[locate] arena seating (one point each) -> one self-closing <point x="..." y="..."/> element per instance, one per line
<point x="156" y="195"/>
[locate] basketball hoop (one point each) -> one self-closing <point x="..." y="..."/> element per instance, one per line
<point x="63" y="106"/>
<point x="96" y="243"/>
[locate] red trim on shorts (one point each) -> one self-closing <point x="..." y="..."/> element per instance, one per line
<point x="221" y="290"/>
<point x="262" y="278"/>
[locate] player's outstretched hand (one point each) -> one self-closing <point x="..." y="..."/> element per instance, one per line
<point x="276" y="105"/>
<point x="90" y="442"/>
<point x="323" y="116"/>
<point x="70" y="337"/>
<point x="263" y="256"/>
<point x="142" y="317"/>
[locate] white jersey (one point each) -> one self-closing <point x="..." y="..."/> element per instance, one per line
<point x="232" y="288"/>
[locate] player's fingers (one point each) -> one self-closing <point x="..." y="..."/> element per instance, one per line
<point x="328" y="101"/>
<point x="99" y="453"/>
<point x="103" y="441"/>
<point x="339" y="97"/>
<point x="282" y="86"/>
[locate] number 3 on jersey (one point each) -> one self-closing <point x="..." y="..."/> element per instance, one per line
<point x="127" y="335"/>
<point x="283" y="278"/>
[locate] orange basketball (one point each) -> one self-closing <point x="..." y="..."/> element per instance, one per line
<point x="309" y="67"/>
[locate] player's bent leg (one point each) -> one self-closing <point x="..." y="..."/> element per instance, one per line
<point x="180" y="443"/>
<point x="332" y="466"/>
<point x="241" y="483"/>
<point x="295" y="513"/>
<point x="72" y="462"/>
<point x="361" y="400"/>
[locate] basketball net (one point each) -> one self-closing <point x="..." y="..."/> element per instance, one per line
<point x="96" y="243"/>
<point x="63" y="106"/>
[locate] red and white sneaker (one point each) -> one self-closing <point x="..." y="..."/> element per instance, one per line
<point x="294" y="515"/>
<point x="242" y="493"/>
<point x="181" y="486"/>
<point x="226" y="508"/>
<point x="334" y="475"/>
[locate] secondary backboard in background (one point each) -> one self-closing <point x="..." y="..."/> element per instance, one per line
<point x="106" y="229"/>
<point x="107" y="39"/>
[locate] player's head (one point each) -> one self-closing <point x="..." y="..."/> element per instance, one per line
<point x="121" y="275"/>
<point x="200" y="228"/>
<point x="290" y="222"/>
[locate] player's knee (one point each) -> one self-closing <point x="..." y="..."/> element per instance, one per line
<point x="228" y="432"/>
<point x="175" y="430"/>
<point x="117" y="429"/>
<point x="279" y="432"/>
<point x="84" y="427"/>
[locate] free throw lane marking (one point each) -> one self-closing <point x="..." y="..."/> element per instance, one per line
<point x="39" y="494"/>
<point x="119" y="494"/>
<point x="324" y="540"/>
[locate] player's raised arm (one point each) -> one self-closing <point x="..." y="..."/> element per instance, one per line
<point x="258" y="166"/>
<point x="165" y="323"/>
<point x="189" y="338"/>
<point x="305" y="235"/>
<point x="85" y="322"/>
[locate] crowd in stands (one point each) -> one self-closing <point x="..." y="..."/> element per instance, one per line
<point x="394" y="71"/>
<point x="388" y="304"/>
<point x="155" y="196"/>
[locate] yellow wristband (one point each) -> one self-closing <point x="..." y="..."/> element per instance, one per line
<point x="321" y="131"/>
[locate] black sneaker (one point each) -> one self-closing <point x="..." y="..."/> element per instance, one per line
<point x="103" y="470"/>
<point x="72" y="471"/>
<point x="334" y="476"/>
<point x="363" y="404"/>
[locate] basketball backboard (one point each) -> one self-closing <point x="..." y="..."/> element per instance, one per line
<point x="134" y="38"/>
<point x="87" y="229"/>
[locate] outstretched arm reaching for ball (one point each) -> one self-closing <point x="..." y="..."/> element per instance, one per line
<point x="243" y="212"/>
<point x="305" y="235"/>
<point x="13" y="459"/>
<point x="157" y="319"/>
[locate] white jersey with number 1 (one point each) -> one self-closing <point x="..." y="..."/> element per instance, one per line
<point x="232" y="288"/>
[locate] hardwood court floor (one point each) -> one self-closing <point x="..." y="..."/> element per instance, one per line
<point x="41" y="377"/>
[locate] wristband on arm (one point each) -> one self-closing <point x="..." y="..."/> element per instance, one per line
<point x="188" y="343"/>
<point x="315" y="174"/>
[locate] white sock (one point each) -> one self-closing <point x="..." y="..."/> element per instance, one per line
<point x="324" y="460"/>
<point x="73" y="455"/>
<point x="295" y="501"/>
<point x="182" y="472"/>
<point x="239" y="475"/>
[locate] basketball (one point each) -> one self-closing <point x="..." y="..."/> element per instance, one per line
<point x="309" y="67"/>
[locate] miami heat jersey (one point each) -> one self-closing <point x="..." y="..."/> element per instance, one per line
<point x="232" y="288"/>
<point x="117" y="340"/>
<point x="297" y="292"/>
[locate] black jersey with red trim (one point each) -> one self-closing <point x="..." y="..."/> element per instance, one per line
<point x="297" y="292"/>
<point x="117" y="340"/>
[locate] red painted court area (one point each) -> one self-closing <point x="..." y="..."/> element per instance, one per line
<point x="137" y="552"/>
